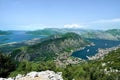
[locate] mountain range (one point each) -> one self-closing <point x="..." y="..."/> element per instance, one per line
<point x="53" y="52"/>
<point x="112" y="34"/>
<point x="51" y="48"/>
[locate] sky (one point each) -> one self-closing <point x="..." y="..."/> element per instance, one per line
<point x="39" y="14"/>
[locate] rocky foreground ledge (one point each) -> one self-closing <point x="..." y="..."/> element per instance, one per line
<point x="43" y="75"/>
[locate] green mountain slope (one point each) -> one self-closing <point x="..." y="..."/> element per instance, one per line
<point x="99" y="35"/>
<point x="43" y="32"/>
<point x="112" y="34"/>
<point x="4" y="32"/>
<point x="107" y="68"/>
<point x="51" y="48"/>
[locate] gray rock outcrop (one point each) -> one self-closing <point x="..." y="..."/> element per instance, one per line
<point x="43" y="75"/>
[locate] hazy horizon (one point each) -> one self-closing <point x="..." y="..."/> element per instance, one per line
<point x="40" y="14"/>
<point x="60" y="28"/>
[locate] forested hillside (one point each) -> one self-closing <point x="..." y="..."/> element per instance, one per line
<point x="107" y="68"/>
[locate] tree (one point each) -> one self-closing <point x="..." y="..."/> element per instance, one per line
<point x="6" y="65"/>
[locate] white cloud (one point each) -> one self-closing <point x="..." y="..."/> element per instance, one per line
<point x="107" y="21"/>
<point x="72" y="26"/>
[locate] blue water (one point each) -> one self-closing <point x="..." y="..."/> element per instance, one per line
<point x="17" y="36"/>
<point x="92" y="50"/>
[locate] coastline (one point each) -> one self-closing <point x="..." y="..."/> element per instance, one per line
<point x="102" y="52"/>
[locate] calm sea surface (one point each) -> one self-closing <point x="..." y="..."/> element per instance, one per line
<point x="92" y="50"/>
<point x="17" y="36"/>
